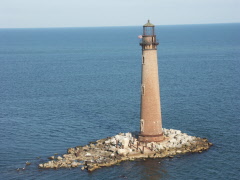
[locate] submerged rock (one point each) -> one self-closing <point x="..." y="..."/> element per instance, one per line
<point x="51" y="157"/>
<point x="28" y="163"/>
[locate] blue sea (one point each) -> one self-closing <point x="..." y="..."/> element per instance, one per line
<point x="64" y="87"/>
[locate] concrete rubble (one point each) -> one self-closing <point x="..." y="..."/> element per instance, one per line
<point x="125" y="146"/>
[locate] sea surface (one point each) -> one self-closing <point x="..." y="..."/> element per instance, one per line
<point x="64" y="87"/>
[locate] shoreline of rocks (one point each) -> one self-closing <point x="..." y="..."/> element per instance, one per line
<point x="125" y="146"/>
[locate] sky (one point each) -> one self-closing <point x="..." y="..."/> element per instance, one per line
<point x="92" y="13"/>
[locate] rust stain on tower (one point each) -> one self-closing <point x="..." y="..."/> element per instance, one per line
<point x="151" y="118"/>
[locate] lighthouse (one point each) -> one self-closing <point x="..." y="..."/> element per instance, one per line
<point x="151" y="118"/>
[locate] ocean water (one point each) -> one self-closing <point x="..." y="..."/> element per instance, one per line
<point x="64" y="87"/>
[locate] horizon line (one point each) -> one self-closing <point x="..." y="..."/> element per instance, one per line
<point x="113" y="26"/>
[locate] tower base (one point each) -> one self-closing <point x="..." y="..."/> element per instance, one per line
<point x="151" y="138"/>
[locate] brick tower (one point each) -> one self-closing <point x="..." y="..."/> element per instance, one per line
<point x="151" y="119"/>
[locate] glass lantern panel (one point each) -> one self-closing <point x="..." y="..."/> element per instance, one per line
<point x="149" y="31"/>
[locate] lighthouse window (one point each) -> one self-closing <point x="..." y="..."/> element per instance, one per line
<point x="143" y="90"/>
<point x="143" y="60"/>
<point x="142" y="125"/>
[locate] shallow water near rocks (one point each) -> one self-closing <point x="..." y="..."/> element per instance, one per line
<point x="65" y="87"/>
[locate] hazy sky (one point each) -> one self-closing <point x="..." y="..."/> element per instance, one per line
<point x="80" y="13"/>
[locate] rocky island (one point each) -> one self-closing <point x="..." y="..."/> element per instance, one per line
<point x="125" y="146"/>
<point x="153" y="141"/>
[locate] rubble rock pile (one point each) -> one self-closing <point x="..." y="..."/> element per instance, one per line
<point x="125" y="146"/>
